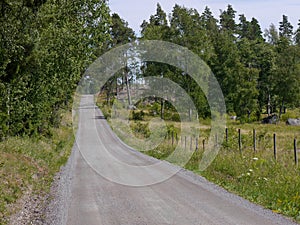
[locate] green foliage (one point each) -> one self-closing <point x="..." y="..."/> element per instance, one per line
<point x="45" y="47"/>
<point x="140" y="129"/>
<point x="172" y="130"/>
<point x="285" y="28"/>
<point x="28" y="164"/>
<point x="139" y="115"/>
<point x="291" y="114"/>
<point x="255" y="75"/>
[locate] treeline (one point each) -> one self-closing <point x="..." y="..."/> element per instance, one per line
<point x="259" y="72"/>
<point x="45" y="46"/>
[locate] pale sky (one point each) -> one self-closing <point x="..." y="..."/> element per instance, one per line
<point x="265" y="11"/>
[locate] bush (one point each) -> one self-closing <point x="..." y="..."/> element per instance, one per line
<point x="175" y="117"/>
<point x="141" y="129"/>
<point x="138" y="115"/>
<point x="155" y="108"/>
<point x="288" y="115"/>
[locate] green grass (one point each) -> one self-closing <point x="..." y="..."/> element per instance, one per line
<point x="30" y="163"/>
<point x="258" y="178"/>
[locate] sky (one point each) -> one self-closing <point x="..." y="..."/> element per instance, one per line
<point x="265" y="11"/>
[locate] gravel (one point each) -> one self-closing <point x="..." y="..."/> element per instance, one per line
<point x="51" y="208"/>
<point x="57" y="210"/>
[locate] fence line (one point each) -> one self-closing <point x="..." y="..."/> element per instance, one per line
<point x="184" y="143"/>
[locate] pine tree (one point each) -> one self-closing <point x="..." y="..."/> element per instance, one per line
<point x="285" y="28"/>
<point x="227" y="19"/>
<point x="209" y="21"/>
<point x="297" y="35"/>
<point x="255" y="30"/>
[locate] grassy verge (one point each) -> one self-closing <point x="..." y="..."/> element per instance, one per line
<point x="256" y="176"/>
<point x="30" y="164"/>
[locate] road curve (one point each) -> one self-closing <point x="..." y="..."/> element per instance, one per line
<point x="184" y="199"/>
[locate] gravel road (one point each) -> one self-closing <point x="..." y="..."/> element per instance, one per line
<point x="102" y="184"/>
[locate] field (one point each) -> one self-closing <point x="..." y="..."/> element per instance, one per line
<point x="254" y="175"/>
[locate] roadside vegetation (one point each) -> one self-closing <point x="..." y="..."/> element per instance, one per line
<point x="28" y="164"/>
<point x="256" y="176"/>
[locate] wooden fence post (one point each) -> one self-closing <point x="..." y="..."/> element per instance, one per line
<point x="197" y="144"/>
<point x="275" y="147"/>
<point x="295" y="152"/>
<point x="240" y="141"/>
<point x="203" y="143"/>
<point x="226" y="131"/>
<point x="172" y="138"/>
<point x="254" y="140"/>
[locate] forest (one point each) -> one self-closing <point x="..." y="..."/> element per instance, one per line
<point x="46" y="46"/>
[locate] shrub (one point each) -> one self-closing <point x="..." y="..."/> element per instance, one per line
<point x="138" y="115"/>
<point x="141" y="129"/>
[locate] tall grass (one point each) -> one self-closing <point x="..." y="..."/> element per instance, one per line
<point x="28" y="164"/>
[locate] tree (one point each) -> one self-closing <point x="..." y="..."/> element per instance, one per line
<point x="247" y="99"/>
<point x="285" y="28"/>
<point x="286" y="79"/>
<point x="243" y="27"/>
<point x="188" y="28"/>
<point x="45" y="48"/>
<point x="297" y="35"/>
<point x="17" y="41"/>
<point x="120" y="34"/>
<point x="227" y="19"/>
<point x="255" y="30"/>
<point x="272" y="35"/>
<point x="157" y="28"/>
<point x="209" y="22"/>
<point x="266" y="57"/>
<point x="247" y="67"/>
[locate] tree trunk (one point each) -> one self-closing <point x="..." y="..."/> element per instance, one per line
<point x="281" y="108"/>
<point x="117" y="87"/>
<point x="128" y="90"/>
<point x="108" y="97"/>
<point x="269" y="105"/>
<point x="249" y="114"/>
<point x="162" y="108"/>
